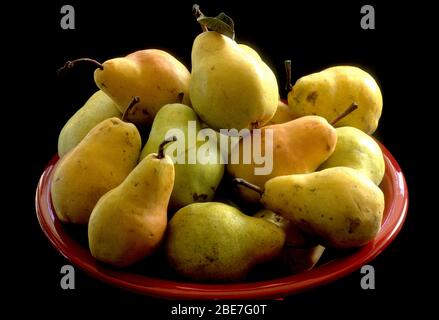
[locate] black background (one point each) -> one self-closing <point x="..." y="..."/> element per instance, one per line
<point x="314" y="36"/>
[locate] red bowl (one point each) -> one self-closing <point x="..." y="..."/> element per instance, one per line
<point x="396" y="196"/>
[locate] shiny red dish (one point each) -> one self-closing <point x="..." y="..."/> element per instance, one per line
<point x="396" y="195"/>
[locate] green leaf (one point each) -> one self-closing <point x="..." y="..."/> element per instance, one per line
<point x="226" y="19"/>
<point x="222" y="23"/>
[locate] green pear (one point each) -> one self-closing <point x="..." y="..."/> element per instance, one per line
<point x="230" y="86"/>
<point x="99" y="163"/>
<point x="357" y="150"/>
<point x="215" y="241"/>
<point x="129" y="221"/>
<point x="97" y="108"/>
<point x="301" y="252"/>
<point x="194" y="182"/>
<point x="340" y="205"/>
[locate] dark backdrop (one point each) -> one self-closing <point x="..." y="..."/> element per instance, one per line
<point x="314" y="36"/>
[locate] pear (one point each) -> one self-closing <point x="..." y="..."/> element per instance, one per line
<point x="299" y="146"/>
<point x="99" y="163"/>
<point x="97" y="108"/>
<point x="301" y="252"/>
<point x="129" y="222"/>
<point x="217" y="242"/>
<point x="230" y="86"/>
<point x="283" y="114"/>
<point x="357" y="150"/>
<point x="340" y="206"/>
<point x="326" y="93"/>
<point x="155" y="76"/>
<point x="174" y="116"/>
<point x="194" y="182"/>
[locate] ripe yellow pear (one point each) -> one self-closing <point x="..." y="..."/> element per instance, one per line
<point x="129" y="222"/>
<point x="97" y="108"/>
<point x="230" y="86"/>
<point x="299" y="146"/>
<point x="155" y="76"/>
<point x="328" y="92"/>
<point x="340" y="206"/>
<point x="99" y="163"/>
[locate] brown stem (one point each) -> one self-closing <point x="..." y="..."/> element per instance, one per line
<point x="130" y="106"/>
<point x="197" y="13"/>
<point x="71" y="64"/>
<point x="349" y="109"/>
<point x="288" y="85"/>
<point x="248" y="185"/>
<point x="161" y="153"/>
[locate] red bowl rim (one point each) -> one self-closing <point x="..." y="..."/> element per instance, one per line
<point x="275" y="288"/>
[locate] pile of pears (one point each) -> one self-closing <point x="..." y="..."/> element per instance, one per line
<point x="214" y="221"/>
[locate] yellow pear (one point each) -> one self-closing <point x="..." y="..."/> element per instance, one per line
<point x="328" y="92"/>
<point x="340" y="206"/>
<point x="299" y="146"/>
<point x="129" y="222"/>
<point x="100" y="162"/>
<point x="153" y="75"/>
<point x="230" y="86"/>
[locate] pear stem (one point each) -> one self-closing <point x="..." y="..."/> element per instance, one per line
<point x="71" y="64"/>
<point x="161" y="153"/>
<point x="248" y="185"/>
<point x="288" y="85"/>
<point x="352" y="107"/>
<point x="130" y="106"/>
<point x="197" y="13"/>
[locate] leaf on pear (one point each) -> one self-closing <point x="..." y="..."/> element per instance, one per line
<point x="225" y="18"/>
<point x="222" y="23"/>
